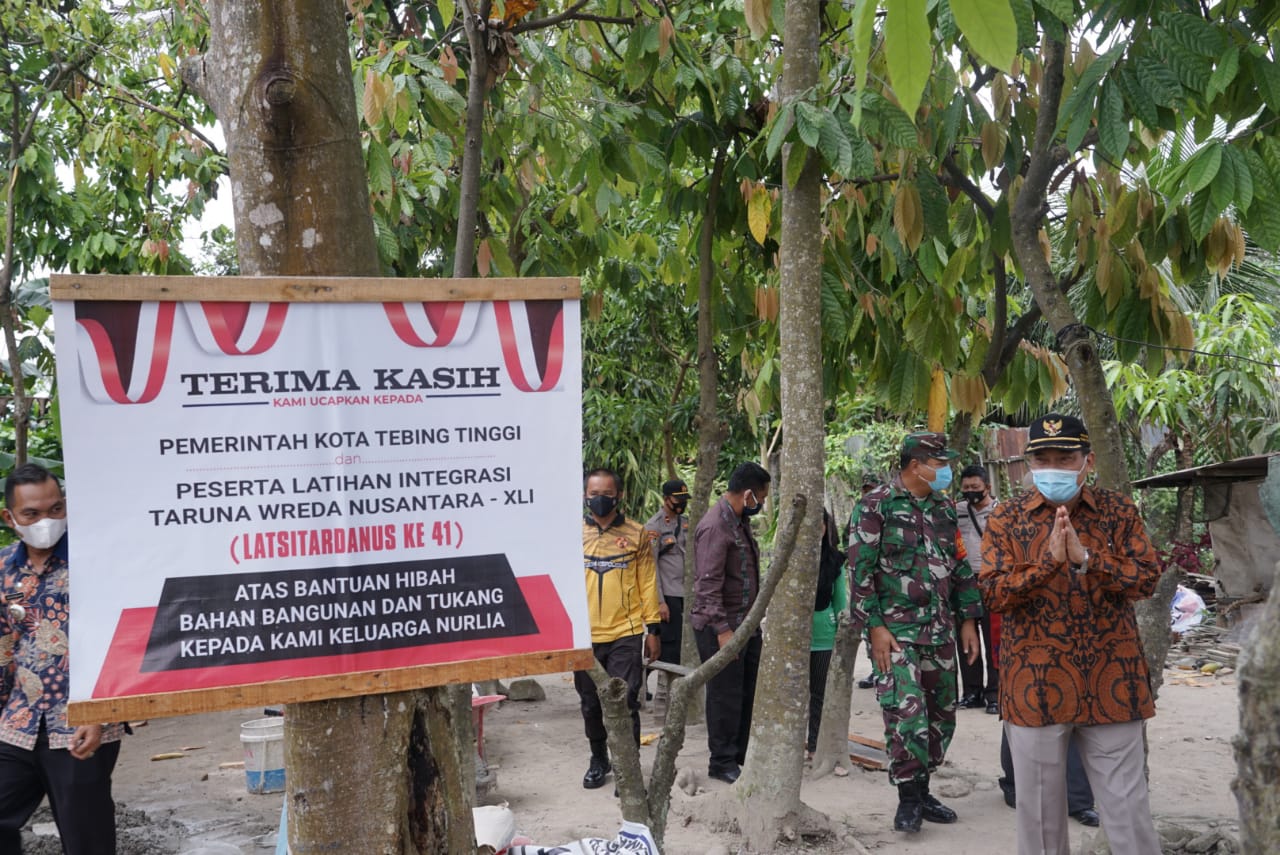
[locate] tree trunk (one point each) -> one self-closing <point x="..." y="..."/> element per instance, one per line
<point x="832" y="748"/>
<point x="475" y="20"/>
<point x="383" y="770"/>
<point x="1026" y="220"/>
<point x="686" y="691"/>
<point x="712" y="431"/>
<point x="769" y="789"/>
<point x="1257" y="746"/>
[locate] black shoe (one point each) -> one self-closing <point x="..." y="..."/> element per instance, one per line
<point x="971" y="701"/>
<point x="596" y="773"/>
<point x="1088" y="817"/>
<point x="935" y="811"/>
<point x="910" y="809"/>
<point x="867" y="682"/>
<point x="727" y="775"/>
<point x="993" y="708"/>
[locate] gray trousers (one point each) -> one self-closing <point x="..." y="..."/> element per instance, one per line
<point x="1113" y="758"/>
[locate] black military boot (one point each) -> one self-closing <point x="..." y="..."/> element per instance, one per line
<point x="932" y="809"/>
<point x="910" y="808"/>
<point x="599" y="766"/>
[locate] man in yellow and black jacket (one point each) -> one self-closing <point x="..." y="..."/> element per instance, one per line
<point x="622" y="602"/>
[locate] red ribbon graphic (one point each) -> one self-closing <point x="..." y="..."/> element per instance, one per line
<point x="109" y="365"/>
<point x="443" y="317"/>
<point x="511" y="353"/>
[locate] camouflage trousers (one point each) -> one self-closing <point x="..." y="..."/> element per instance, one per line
<point x="918" y="701"/>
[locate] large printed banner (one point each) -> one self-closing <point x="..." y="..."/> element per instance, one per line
<point x="266" y="491"/>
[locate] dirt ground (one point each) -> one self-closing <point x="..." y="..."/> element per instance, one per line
<point x="189" y="805"/>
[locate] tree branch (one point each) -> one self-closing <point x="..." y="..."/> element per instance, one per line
<point x="570" y="14"/>
<point x="956" y="178"/>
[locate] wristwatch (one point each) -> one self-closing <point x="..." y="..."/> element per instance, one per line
<point x="1083" y="567"/>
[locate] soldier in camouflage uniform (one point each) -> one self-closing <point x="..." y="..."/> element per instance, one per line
<point x="911" y="583"/>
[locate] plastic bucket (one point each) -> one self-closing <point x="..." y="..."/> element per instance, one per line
<point x="263" y="741"/>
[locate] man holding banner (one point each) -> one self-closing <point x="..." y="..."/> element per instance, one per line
<point x="39" y="753"/>
<point x="622" y="602"/>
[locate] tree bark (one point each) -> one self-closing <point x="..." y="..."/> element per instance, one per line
<point x="712" y="430"/>
<point x="1257" y="746"/>
<point x="475" y="21"/>
<point x="769" y="790"/>
<point x="832" y="748"/>
<point x="384" y="770"/>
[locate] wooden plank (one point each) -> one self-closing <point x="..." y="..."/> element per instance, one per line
<point x="221" y="698"/>
<point x="307" y="289"/>
<point x="867" y="753"/>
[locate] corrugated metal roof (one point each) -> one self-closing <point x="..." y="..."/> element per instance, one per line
<point x="1241" y="469"/>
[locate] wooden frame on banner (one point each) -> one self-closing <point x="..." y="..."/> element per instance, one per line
<point x="314" y="289"/>
<point x="386" y="681"/>
<point x="306" y="289"/>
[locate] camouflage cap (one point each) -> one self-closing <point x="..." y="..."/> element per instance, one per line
<point x="923" y="446"/>
<point x="1059" y="431"/>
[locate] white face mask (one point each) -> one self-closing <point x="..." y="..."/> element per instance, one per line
<point x="44" y="533"/>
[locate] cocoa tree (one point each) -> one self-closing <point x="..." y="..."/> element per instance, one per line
<point x="385" y="770"/>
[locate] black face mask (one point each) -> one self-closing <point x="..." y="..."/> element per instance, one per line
<point x="678" y="507"/>
<point x="602" y="506"/>
<point x="974" y="497"/>
<point x="751" y="512"/>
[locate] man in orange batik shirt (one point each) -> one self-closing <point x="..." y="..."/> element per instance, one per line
<point x="1063" y="564"/>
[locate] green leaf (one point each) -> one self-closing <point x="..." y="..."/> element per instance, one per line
<point x="1077" y="110"/>
<point x="1138" y="98"/>
<point x="1113" y="127"/>
<point x="1193" y="69"/>
<point x="934" y="204"/>
<point x="1242" y="194"/>
<point x="1202" y="168"/>
<point x="444" y="93"/>
<point x="1159" y="82"/>
<point x="1223" y="73"/>
<point x="793" y="164"/>
<point x="908" y="51"/>
<point x="1222" y="190"/>
<point x="1194" y="34"/>
<point x="1201" y="213"/>
<point x="1024" y="14"/>
<point x="895" y="125"/>
<point x="782" y="124"/>
<point x="1266" y="75"/>
<point x="990" y="28"/>
<point x="834" y="143"/>
<point x="863" y="156"/>
<point x="1263" y="224"/>
<point x="1263" y="182"/>
<point x="864" y="22"/>
<point x="807" y="119"/>
<point x="378" y="162"/>
<point x="446" y="11"/>
<point x="1060" y="9"/>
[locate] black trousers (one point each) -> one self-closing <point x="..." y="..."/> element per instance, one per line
<point x="671" y="632"/>
<point x="619" y="659"/>
<point x="1079" y="793"/>
<point x="819" y="664"/>
<point x="79" y="794"/>
<point x="730" y="696"/>
<point x="971" y="675"/>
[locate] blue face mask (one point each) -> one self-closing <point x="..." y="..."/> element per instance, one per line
<point x="941" y="479"/>
<point x="1059" y="486"/>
